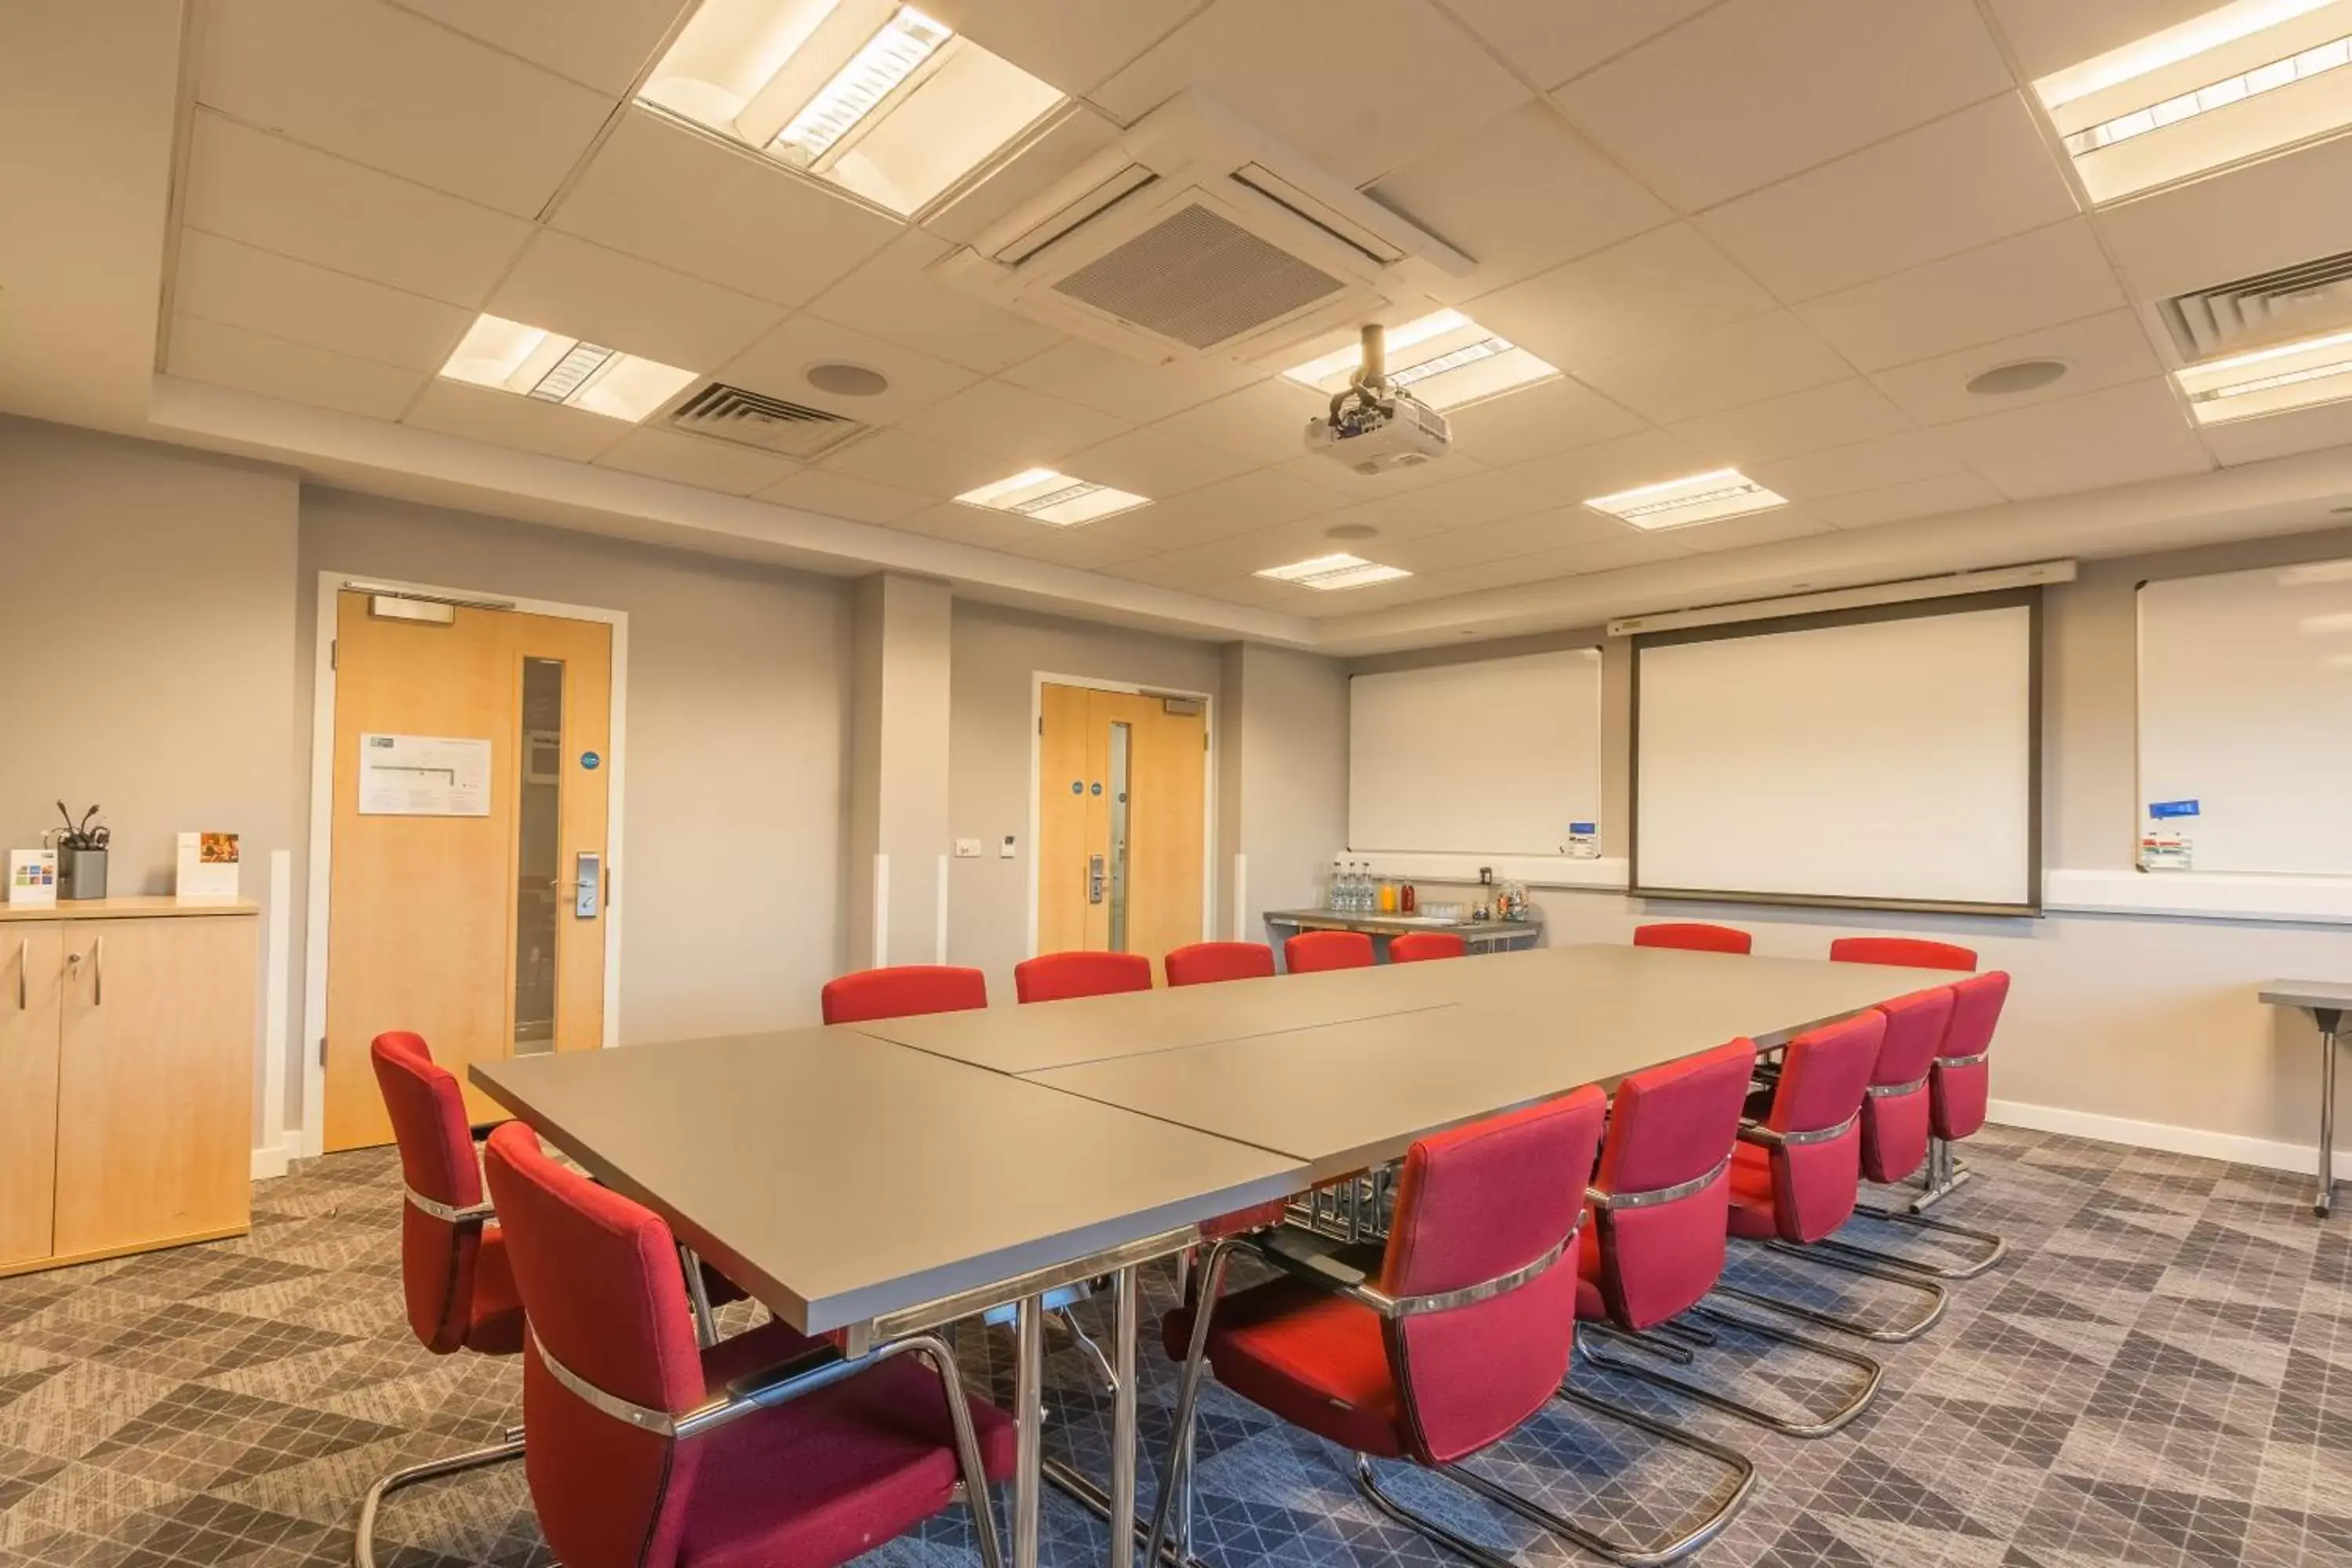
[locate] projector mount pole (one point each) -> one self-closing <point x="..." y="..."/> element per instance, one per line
<point x="1371" y="382"/>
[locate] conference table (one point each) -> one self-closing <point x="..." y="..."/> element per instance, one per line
<point x="889" y="1178"/>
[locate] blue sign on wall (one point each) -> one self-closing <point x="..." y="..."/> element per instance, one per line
<point x="2160" y="809"/>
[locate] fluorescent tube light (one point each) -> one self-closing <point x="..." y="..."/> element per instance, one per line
<point x="1043" y="495"/>
<point x="1329" y="572"/>
<point x="1446" y="358"/>
<point x="1700" y="497"/>
<point x="2198" y="35"/>
<point x="508" y="356"/>
<point x="2269" y="381"/>
<point x="889" y="58"/>
<point x="2221" y="94"/>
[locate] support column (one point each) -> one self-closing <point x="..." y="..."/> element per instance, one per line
<point x="898" y="768"/>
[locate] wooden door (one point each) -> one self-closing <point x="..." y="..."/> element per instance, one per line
<point x="464" y="928"/>
<point x="32" y="965"/>
<point x="154" y="1100"/>
<point x="1121" y="821"/>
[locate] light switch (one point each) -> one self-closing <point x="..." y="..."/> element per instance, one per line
<point x="1004" y="850"/>
<point x="967" y="849"/>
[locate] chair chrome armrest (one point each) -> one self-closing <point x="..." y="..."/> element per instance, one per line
<point x="765" y="1385"/>
<point x="450" y="1212"/>
<point x="1330" y="1273"/>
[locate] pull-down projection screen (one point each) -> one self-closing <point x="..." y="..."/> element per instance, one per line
<point x="1886" y="757"/>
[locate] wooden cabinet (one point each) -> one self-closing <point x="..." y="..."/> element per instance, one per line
<point x="126" y="1080"/>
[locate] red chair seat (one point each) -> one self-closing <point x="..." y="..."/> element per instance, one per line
<point x="857" y="1465"/>
<point x="1752" y="1216"/>
<point x="1316" y="1361"/>
<point x="495" y="1325"/>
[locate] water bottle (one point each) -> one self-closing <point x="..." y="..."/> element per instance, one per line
<point x="1335" y="896"/>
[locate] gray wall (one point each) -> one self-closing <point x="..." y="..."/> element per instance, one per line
<point x="149" y="645"/>
<point x="729" y="873"/>
<point x="1292" y="777"/>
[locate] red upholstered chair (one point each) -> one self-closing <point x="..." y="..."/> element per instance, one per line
<point x="1694" y="936"/>
<point x="1416" y="947"/>
<point x="1436" y="1346"/>
<point x="1961" y="1083"/>
<point x="647" y="1452"/>
<point x="1312" y="950"/>
<point x="903" y="991"/>
<point x="454" y="1274"/>
<point x="1903" y="952"/>
<point x="1207" y="962"/>
<point x="1058" y="976"/>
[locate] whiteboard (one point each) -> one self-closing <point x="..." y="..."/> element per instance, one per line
<point x="2245" y="707"/>
<point x="1872" y="761"/>
<point x="1495" y="756"/>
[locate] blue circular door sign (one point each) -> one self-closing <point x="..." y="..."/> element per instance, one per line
<point x="589" y="760"/>
<point x="1076" y="787"/>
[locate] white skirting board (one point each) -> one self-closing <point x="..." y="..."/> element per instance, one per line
<point x="272" y="1161"/>
<point x="2269" y="1154"/>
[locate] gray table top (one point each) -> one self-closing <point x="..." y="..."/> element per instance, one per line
<point x="839" y="1177"/>
<point x="2314" y="994"/>
<point x="1525" y="1027"/>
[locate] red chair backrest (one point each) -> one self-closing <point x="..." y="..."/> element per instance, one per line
<point x="1311" y="950"/>
<point x="1206" y="962"/>
<point x="1416" y="947"/>
<point x="903" y="991"/>
<point x="1958" y="1093"/>
<point x="1057" y="976"/>
<point x="1473" y="1205"/>
<point x="1904" y="952"/>
<point x="1671" y="1124"/>
<point x="1894" y="1126"/>
<point x="1696" y="936"/>
<point x="1822" y="1076"/>
<point x="598" y="1278"/>
<point x="436" y="1162"/>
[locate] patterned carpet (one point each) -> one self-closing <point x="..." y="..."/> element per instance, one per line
<point x="2160" y="1373"/>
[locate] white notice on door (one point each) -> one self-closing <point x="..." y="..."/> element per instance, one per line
<point x="423" y="776"/>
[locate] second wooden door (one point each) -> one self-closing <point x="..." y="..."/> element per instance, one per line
<point x="1121" y="821"/>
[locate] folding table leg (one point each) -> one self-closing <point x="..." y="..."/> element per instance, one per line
<point x="1029" y="1427"/>
<point x="1127" y="1288"/>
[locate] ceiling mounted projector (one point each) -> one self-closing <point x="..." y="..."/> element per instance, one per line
<point x="1374" y="428"/>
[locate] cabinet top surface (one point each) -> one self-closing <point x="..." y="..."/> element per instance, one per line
<point x="137" y="907"/>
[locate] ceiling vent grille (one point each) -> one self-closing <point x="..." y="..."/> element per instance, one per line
<point x="754" y="419"/>
<point x="2298" y="301"/>
<point x="1198" y="278"/>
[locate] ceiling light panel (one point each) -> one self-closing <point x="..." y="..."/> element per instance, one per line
<point x="1330" y="572"/>
<point x="1043" y="495"/>
<point x="2243" y="80"/>
<point x="872" y="95"/>
<point x="532" y="361"/>
<point x="1699" y="497"/>
<point x="2293" y="375"/>
<point x="1446" y="359"/>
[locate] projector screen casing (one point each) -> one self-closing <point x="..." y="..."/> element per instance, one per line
<point x="2020" y="891"/>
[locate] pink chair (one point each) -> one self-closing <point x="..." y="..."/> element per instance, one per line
<point x="1058" y="976"/>
<point x="1419" y="946"/>
<point x="646" y="1452"/>
<point x="1208" y="962"/>
<point x="1694" y="936"/>
<point x="1902" y="952"/>
<point x="1453" y="1338"/>
<point x="1311" y="951"/>
<point x="903" y="991"/>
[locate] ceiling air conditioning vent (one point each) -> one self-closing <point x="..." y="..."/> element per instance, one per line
<point x="754" y="419"/>
<point x="1198" y="234"/>
<point x="2298" y="301"/>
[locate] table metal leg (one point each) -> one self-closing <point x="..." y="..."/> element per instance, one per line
<point x="2328" y="1019"/>
<point x="1127" y="1290"/>
<point x="1029" y="1427"/>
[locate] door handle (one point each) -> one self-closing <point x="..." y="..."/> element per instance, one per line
<point x="23" y="973"/>
<point x="1094" y="878"/>
<point x="97" y="971"/>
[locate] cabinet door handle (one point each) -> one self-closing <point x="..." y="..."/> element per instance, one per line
<point x="97" y="971"/>
<point x="24" y="972"/>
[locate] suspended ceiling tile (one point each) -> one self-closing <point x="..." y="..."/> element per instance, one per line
<point x="569" y="286"/>
<point x="1962" y="180"/>
<point x="1647" y="457"/>
<point x="1728" y="367"/>
<point x="1541" y="420"/>
<point x="1914" y="498"/>
<point x="1648" y="290"/>
<point x="1465" y="501"/>
<point x="269" y="192"/>
<point x="1072" y="46"/>
<point x="1264" y="423"/>
<point x="1317" y="469"/>
<point x="2098" y="351"/>
<point x="908" y="461"/>
<point x="1010" y="421"/>
<point x="2280" y="434"/>
<point x="2138" y="411"/>
<point x="385" y="88"/>
<point x="2038" y="279"/>
<point x="2049" y="35"/>
<point x="690" y="201"/>
<point x="1835" y="415"/>
<point x="696" y="460"/>
<point x="1519" y="194"/>
<point x="1863" y="466"/>
<point x="297" y="373"/>
<point x="779" y="363"/>
<point x="1774" y="527"/>
<point x="1360" y="87"/>
<point x="1503" y="539"/>
<point x="2158" y="456"/>
<point x="1074" y="137"/>
<point x="839" y="495"/>
<point x="973" y="525"/>
<point x="223" y="280"/>
<point x="1150" y="463"/>
<point x="506" y="419"/>
<point x="1119" y="385"/>
<point x="1243" y="504"/>
<point x="2279" y="211"/>
<point x="601" y="44"/>
<point x="891" y="298"/>
<point x="1756" y="91"/>
<point x="1628" y="547"/>
<point x="1550" y="41"/>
